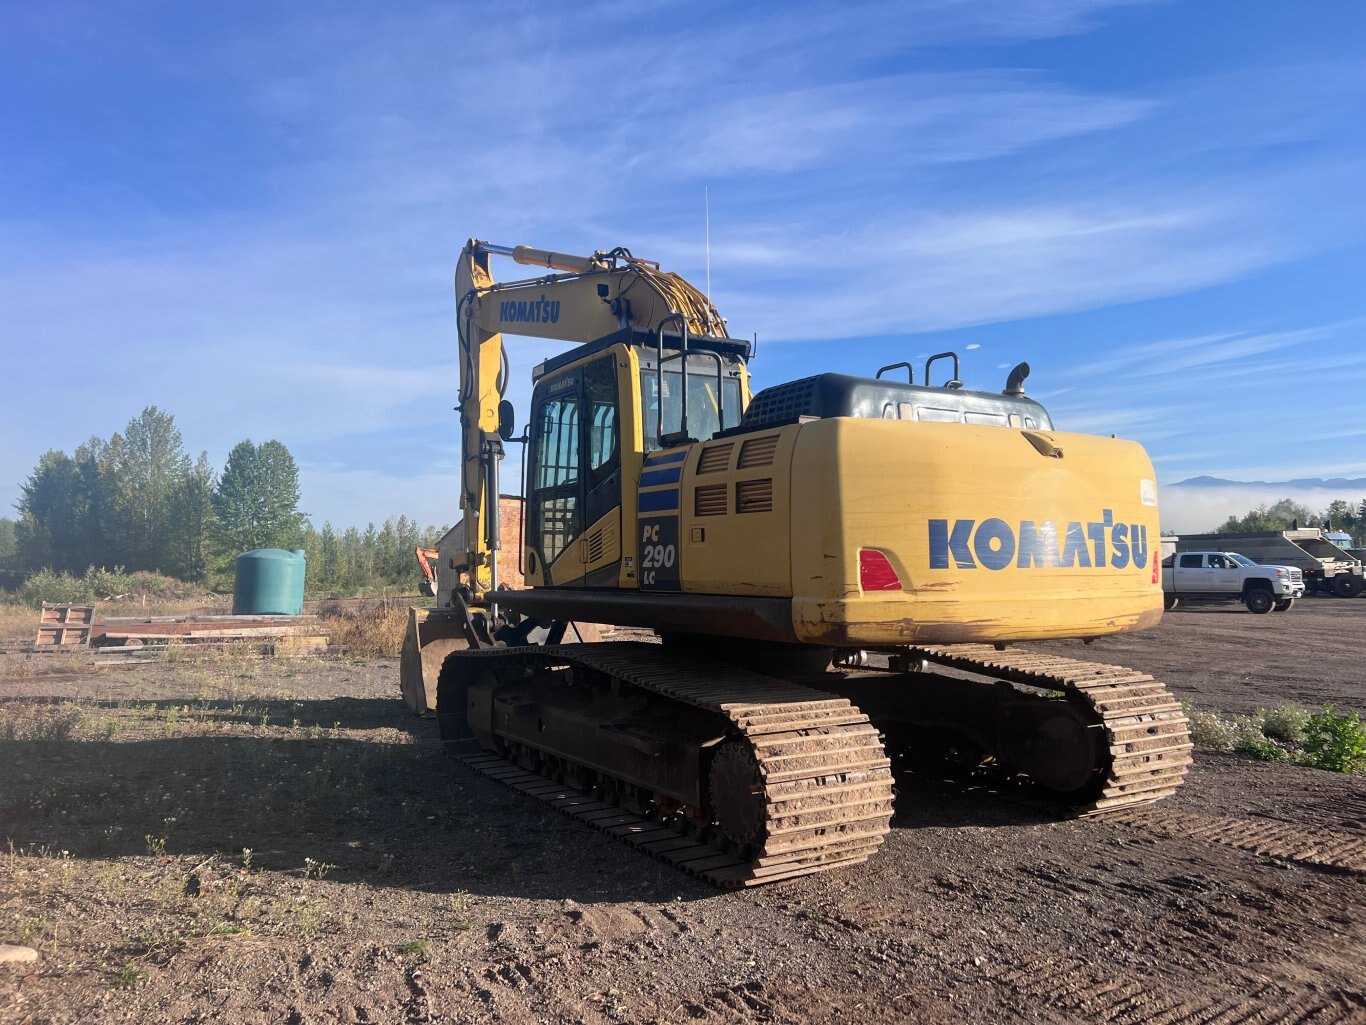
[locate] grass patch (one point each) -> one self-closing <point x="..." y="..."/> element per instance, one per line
<point x="374" y="633"/>
<point x="1330" y="740"/>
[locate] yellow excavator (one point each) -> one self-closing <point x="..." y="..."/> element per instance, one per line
<point x="835" y="569"/>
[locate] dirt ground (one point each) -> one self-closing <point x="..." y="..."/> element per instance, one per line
<point x="238" y="840"/>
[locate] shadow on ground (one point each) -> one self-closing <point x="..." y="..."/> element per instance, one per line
<point x="389" y="810"/>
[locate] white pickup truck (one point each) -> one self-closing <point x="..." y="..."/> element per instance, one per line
<point x="1214" y="575"/>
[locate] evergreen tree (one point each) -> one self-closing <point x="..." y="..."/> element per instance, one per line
<point x="192" y="522"/>
<point x="150" y="470"/>
<point x="256" y="503"/>
<point x="329" y="559"/>
<point x="8" y="544"/>
<point x="52" y="510"/>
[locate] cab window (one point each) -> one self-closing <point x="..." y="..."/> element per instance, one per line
<point x="600" y="390"/>
<point x="555" y="487"/>
<point x="704" y="405"/>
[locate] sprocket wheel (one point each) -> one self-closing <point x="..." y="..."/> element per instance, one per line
<point x="737" y="793"/>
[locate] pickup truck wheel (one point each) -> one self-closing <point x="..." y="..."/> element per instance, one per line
<point x="1170" y="601"/>
<point x="1259" y="601"/>
<point x="1284" y="604"/>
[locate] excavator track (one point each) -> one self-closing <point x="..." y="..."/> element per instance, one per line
<point x="1148" y="745"/>
<point x="806" y="778"/>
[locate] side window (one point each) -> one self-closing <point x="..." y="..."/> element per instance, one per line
<point x="557" y="461"/>
<point x="1217" y="562"/>
<point x="1190" y="562"/>
<point x="555" y="488"/>
<point x="600" y="389"/>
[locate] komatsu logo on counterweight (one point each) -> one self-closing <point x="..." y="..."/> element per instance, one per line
<point x="1038" y="544"/>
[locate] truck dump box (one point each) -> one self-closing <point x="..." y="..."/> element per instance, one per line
<point x="1326" y="567"/>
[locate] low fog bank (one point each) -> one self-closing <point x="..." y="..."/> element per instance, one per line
<point x="1198" y="509"/>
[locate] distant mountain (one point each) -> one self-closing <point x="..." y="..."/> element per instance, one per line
<point x="1351" y="484"/>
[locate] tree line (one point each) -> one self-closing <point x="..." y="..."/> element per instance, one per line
<point x="139" y="502"/>
<point x="1340" y="515"/>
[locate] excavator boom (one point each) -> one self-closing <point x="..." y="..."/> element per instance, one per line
<point x="590" y="297"/>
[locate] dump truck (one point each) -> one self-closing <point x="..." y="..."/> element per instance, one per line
<point x="835" y="570"/>
<point x="1327" y="568"/>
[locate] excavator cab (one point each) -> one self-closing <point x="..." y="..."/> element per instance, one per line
<point x="596" y="413"/>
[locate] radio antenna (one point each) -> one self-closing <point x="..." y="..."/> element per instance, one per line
<point x="706" y="218"/>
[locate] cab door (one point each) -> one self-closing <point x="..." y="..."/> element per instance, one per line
<point x="555" y="480"/>
<point x="600" y="546"/>
<point x="1224" y="577"/>
<point x="574" y="480"/>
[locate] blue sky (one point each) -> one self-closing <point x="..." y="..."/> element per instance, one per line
<point x="252" y="221"/>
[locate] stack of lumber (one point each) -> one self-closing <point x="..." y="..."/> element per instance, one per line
<point x="136" y="631"/>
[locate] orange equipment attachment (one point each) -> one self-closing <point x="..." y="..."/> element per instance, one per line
<point x="427" y="558"/>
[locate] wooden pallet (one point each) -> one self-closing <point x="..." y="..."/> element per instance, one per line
<point x="64" y="626"/>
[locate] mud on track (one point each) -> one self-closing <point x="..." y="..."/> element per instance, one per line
<point x="130" y="794"/>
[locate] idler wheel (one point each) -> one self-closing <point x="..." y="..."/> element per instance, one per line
<point x="1050" y="743"/>
<point x="737" y="793"/>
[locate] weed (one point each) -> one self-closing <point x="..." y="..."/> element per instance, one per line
<point x="1286" y="723"/>
<point x="317" y="869"/>
<point x="416" y="949"/>
<point x="1254" y="744"/>
<point x="374" y="633"/>
<point x="32" y="929"/>
<point x="156" y="845"/>
<point x="160" y="943"/>
<point x="305" y="915"/>
<point x="246" y="859"/>
<point x="126" y="977"/>
<point x="1211" y="730"/>
<point x="36" y="722"/>
<point x="1336" y="742"/>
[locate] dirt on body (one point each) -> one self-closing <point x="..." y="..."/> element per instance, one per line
<point x="242" y="840"/>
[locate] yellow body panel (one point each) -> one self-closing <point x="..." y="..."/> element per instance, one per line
<point x="948" y="502"/>
<point x="735" y="531"/>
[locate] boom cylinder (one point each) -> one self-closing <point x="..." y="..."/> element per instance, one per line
<point x="529" y="257"/>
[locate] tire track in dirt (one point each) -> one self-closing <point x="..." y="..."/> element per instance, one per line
<point x="1077" y="988"/>
<point x="1320" y="848"/>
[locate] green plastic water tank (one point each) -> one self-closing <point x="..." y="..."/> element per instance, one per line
<point x="270" y="582"/>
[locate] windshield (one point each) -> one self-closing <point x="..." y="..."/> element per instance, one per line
<point x="1241" y="560"/>
<point x="704" y="409"/>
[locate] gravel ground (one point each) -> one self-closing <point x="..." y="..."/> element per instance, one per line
<point x="240" y="840"/>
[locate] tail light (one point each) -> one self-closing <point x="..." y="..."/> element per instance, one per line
<point x="875" y="573"/>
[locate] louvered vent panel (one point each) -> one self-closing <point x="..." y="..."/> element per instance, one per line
<point x="715" y="458"/>
<point x="752" y="496"/>
<point x="709" y="500"/>
<point x="758" y="452"/>
<point x="595" y="546"/>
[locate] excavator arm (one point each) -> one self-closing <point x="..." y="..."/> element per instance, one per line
<point x="580" y="299"/>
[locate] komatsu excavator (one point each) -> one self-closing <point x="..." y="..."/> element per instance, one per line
<point x="835" y="566"/>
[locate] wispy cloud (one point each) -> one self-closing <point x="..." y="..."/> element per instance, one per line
<point x="273" y="255"/>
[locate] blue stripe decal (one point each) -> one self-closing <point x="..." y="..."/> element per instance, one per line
<point x="659" y="501"/>
<point x="656" y="458"/>
<point x="668" y="475"/>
